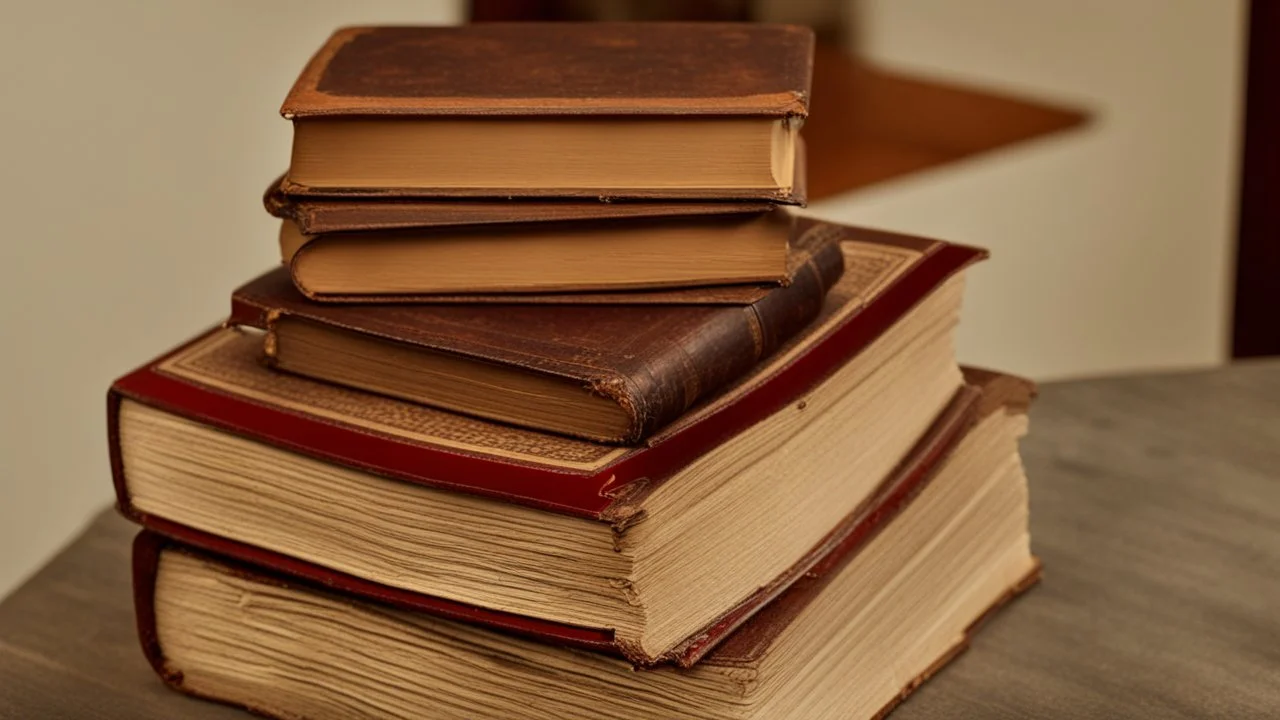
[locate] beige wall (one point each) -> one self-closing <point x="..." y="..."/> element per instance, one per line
<point x="1110" y="246"/>
<point x="135" y="141"/>
<point x="136" y="138"/>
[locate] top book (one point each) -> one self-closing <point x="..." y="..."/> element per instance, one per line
<point x="644" y="110"/>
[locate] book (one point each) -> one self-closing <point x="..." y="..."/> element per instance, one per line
<point x="605" y="373"/>
<point x="543" y="257"/>
<point x="584" y="537"/>
<point x="935" y="554"/>
<point x="937" y="442"/>
<point x="347" y="217"/>
<point x="320" y="215"/>
<point x="616" y="110"/>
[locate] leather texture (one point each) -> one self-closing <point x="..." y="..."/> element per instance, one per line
<point x="654" y="361"/>
<point x="740" y="637"/>
<point x="802" y="247"/>
<point x="448" y="451"/>
<point x="559" y="69"/>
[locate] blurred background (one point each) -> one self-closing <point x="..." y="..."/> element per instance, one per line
<point x="1094" y="146"/>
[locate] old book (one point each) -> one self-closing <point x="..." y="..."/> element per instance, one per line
<point x="547" y="257"/>
<point x="643" y="110"/>
<point x="320" y="215"/>
<point x="606" y="373"/>
<point x="445" y="217"/>
<point x="936" y="553"/>
<point x="585" y="540"/>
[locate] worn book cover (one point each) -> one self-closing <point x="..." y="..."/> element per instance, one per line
<point x="558" y="69"/>
<point x="589" y="110"/>
<point x="654" y="362"/>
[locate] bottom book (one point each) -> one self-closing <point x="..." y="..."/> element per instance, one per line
<point x="850" y="639"/>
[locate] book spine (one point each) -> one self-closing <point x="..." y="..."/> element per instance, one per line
<point x="737" y="338"/>
<point x="781" y="314"/>
<point x="146" y="562"/>
<point x="147" y="549"/>
<point x="247" y="313"/>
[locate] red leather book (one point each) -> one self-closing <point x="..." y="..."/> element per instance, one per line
<point x="616" y="110"/>
<point x="959" y="477"/>
<point x="764" y="442"/>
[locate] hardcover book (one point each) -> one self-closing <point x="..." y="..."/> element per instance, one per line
<point x="582" y="536"/>
<point x="571" y="257"/>
<point x="594" y="244"/>
<point x="936" y="549"/>
<point x="618" y="110"/>
<point x="606" y="373"/>
<point x="320" y="215"/>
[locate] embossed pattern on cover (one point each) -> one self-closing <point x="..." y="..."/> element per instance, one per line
<point x="230" y="360"/>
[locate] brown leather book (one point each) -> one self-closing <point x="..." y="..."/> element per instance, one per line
<point x="513" y="244"/>
<point x="607" y="373"/>
<point x="579" y="257"/>
<point x="620" y="110"/>
<point x="319" y="215"/>
<point x="893" y="597"/>
<point x="587" y="541"/>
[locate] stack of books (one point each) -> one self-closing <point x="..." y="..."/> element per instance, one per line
<point x="554" y="410"/>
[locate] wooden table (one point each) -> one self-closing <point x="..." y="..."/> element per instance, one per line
<point x="1155" y="507"/>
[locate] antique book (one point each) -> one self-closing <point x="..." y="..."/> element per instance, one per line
<point x="348" y="218"/>
<point x="618" y="110"/>
<point x="578" y="256"/>
<point x="606" y="373"/>
<point x="320" y="215"/>
<point x="582" y="539"/>
<point x="900" y="596"/>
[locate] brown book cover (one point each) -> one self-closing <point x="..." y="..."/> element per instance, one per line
<point x="215" y="380"/>
<point x="521" y="69"/>
<point x="653" y="361"/>
<point x="807" y="240"/>
<point x="733" y="77"/>
<point x="741" y="638"/>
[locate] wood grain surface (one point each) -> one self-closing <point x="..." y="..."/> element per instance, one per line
<point x="1155" y="508"/>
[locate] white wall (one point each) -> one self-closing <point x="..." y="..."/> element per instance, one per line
<point x="1110" y="245"/>
<point x="136" y="139"/>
